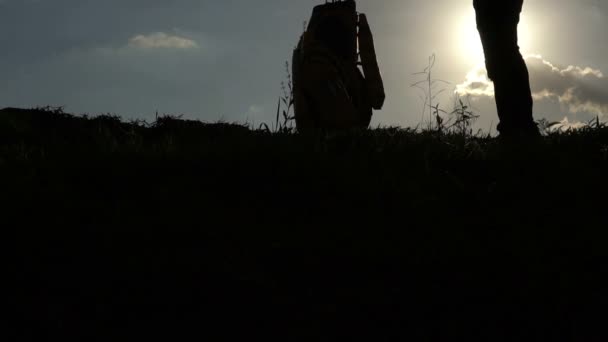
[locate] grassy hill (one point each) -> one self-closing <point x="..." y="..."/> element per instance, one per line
<point x="181" y="227"/>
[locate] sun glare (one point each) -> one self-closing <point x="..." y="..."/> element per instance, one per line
<point x="468" y="42"/>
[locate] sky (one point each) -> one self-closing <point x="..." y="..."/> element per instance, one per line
<point x="225" y="60"/>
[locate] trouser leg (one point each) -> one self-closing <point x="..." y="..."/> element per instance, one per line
<point x="514" y="102"/>
<point x="507" y="69"/>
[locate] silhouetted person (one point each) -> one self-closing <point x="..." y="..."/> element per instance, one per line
<point x="330" y="91"/>
<point x="497" y="22"/>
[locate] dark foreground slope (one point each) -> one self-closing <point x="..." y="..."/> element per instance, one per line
<point x="129" y="231"/>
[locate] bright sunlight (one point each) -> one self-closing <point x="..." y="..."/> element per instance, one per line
<point x="469" y="44"/>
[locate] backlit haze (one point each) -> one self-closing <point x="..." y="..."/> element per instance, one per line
<point x="224" y="60"/>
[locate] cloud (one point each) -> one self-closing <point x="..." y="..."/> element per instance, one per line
<point x="566" y="124"/>
<point x="255" y="109"/>
<point x="578" y="89"/>
<point x="161" y="40"/>
<point x="563" y="125"/>
<point x="476" y="83"/>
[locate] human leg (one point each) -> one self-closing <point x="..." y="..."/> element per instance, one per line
<point x="507" y="69"/>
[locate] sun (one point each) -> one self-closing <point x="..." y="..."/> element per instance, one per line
<point x="468" y="43"/>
